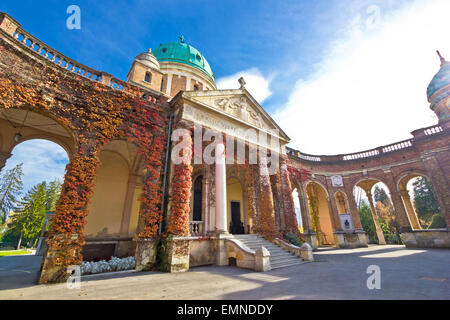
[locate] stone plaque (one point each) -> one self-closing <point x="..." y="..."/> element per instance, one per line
<point x="346" y="221"/>
<point x="336" y="181"/>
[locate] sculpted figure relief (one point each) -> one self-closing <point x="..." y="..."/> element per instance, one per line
<point x="239" y="109"/>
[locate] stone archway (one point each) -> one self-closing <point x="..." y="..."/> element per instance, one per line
<point x="408" y="203"/>
<point x="318" y="200"/>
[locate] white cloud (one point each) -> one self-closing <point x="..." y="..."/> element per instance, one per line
<point x="370" y="88"/>
<point x="42" y="161"/>
<point x="256" y="83"/>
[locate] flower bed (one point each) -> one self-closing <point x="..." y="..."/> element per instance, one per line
<point x="113" y="264"/>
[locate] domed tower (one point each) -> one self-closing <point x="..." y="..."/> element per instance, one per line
<point x="438" y="93"/>
<point x="184" y="68"/>
<point x="145" y="71"/>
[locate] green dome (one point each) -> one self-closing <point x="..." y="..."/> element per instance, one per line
<point x="183" y="53"/>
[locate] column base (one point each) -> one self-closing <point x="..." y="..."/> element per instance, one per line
<point x="146" y="253"/>
<point x="430" y="238"/>
<point x="311" y="239"/>
<point x="350" y="239"/>
<point x="174" y="254"/>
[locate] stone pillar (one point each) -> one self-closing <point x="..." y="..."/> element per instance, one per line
<point x="267" y="212"/>
<point x="221" y="189"/>
<point x="304" y="208"/>
<point x="8" y="24"/>
<point x="3" y="157"/>
<point x="439" y="179"/>
<point x="105" y="78"/>
<point x="400" y="213"/>
<point x="412" y="215"/>
<point x="169" y="84"/>
<point x="380" y="234"/>
<point x="352" y="206"/>
<point x="128" y="205"/>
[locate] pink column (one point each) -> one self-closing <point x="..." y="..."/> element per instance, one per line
<point x="221" y="189"/>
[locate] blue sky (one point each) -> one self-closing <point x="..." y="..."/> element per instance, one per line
<point x="338" y="76"/>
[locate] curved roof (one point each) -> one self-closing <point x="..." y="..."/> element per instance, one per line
<point x="183" y="53"/>
<point x="440" y="80"/>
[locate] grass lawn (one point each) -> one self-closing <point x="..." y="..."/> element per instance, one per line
<point x="13" y="253"/>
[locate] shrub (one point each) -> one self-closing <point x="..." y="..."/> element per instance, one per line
<point x="437" y="222"/>
<point x="293" y="239"/>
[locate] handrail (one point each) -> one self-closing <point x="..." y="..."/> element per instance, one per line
<point x="55" y="56"/>
<point x="396" y="146"/>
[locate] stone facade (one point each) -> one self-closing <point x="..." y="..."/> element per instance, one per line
<point x="266" y="204"/>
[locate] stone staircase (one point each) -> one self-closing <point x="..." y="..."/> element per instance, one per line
<point x="279" y="257"/>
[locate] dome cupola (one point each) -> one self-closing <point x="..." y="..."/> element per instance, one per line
<point x="148" y="59"/>
<point x="438" y="91"/>
<point x="182" y="53"/>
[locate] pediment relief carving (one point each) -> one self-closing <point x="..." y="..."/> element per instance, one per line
<point x="240" y="108"/>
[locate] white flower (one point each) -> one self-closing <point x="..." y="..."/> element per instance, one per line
<point x="114" y="264"/>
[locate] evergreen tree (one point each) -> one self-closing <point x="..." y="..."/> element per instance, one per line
<point x="10" y="188"/>
<point x="424" y="199"/>
<point x="53" y="192"/>
<point x="28" y="220"/>
<point x="380" y="195"/>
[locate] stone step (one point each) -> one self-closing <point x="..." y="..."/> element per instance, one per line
<point x="279" y="257"/>
<point x="287" y="264"/>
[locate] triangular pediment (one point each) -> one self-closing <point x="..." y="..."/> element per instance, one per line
<point x="237" y="104"/>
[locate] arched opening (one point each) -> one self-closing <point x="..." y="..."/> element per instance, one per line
<point x="320" y="213"/>
<point x="420" y="202"/>
<point x="30" y="186"/>
<point x="113" y="216"/>
<point x="377" y="212"/>
<point x="297" y="207"/>
<point x="235" y="203"/>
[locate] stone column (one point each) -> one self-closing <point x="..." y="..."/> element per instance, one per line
<point x="268" y="227"/>
<point x="128" y="205"/>
<point x="221" y="189"/>
<point x="380" y="234"/>
<point x="400" y="213"/>
<point x="439" y="179"/>
<point x="3" y="157"/>
<point x="169" y="84"/>
<point x="412" y="215"/>
<point x="352" y="206"/>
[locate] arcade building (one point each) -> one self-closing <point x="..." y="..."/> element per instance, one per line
<point x="124" y="195"/>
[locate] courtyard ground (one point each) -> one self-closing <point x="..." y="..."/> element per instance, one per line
<point x="336" y="274"/>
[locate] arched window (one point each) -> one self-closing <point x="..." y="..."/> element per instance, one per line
<point x="196" y="88"/>
<point x="148" y="77"/>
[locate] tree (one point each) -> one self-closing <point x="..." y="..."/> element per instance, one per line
<point x="28" y="219"/>
<point x="367" y="222"/>
<point x="10" y="188"/>
<point x="380" y="195"/>
<point x="425" y="200"/>
<point x="53" y="192"/>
